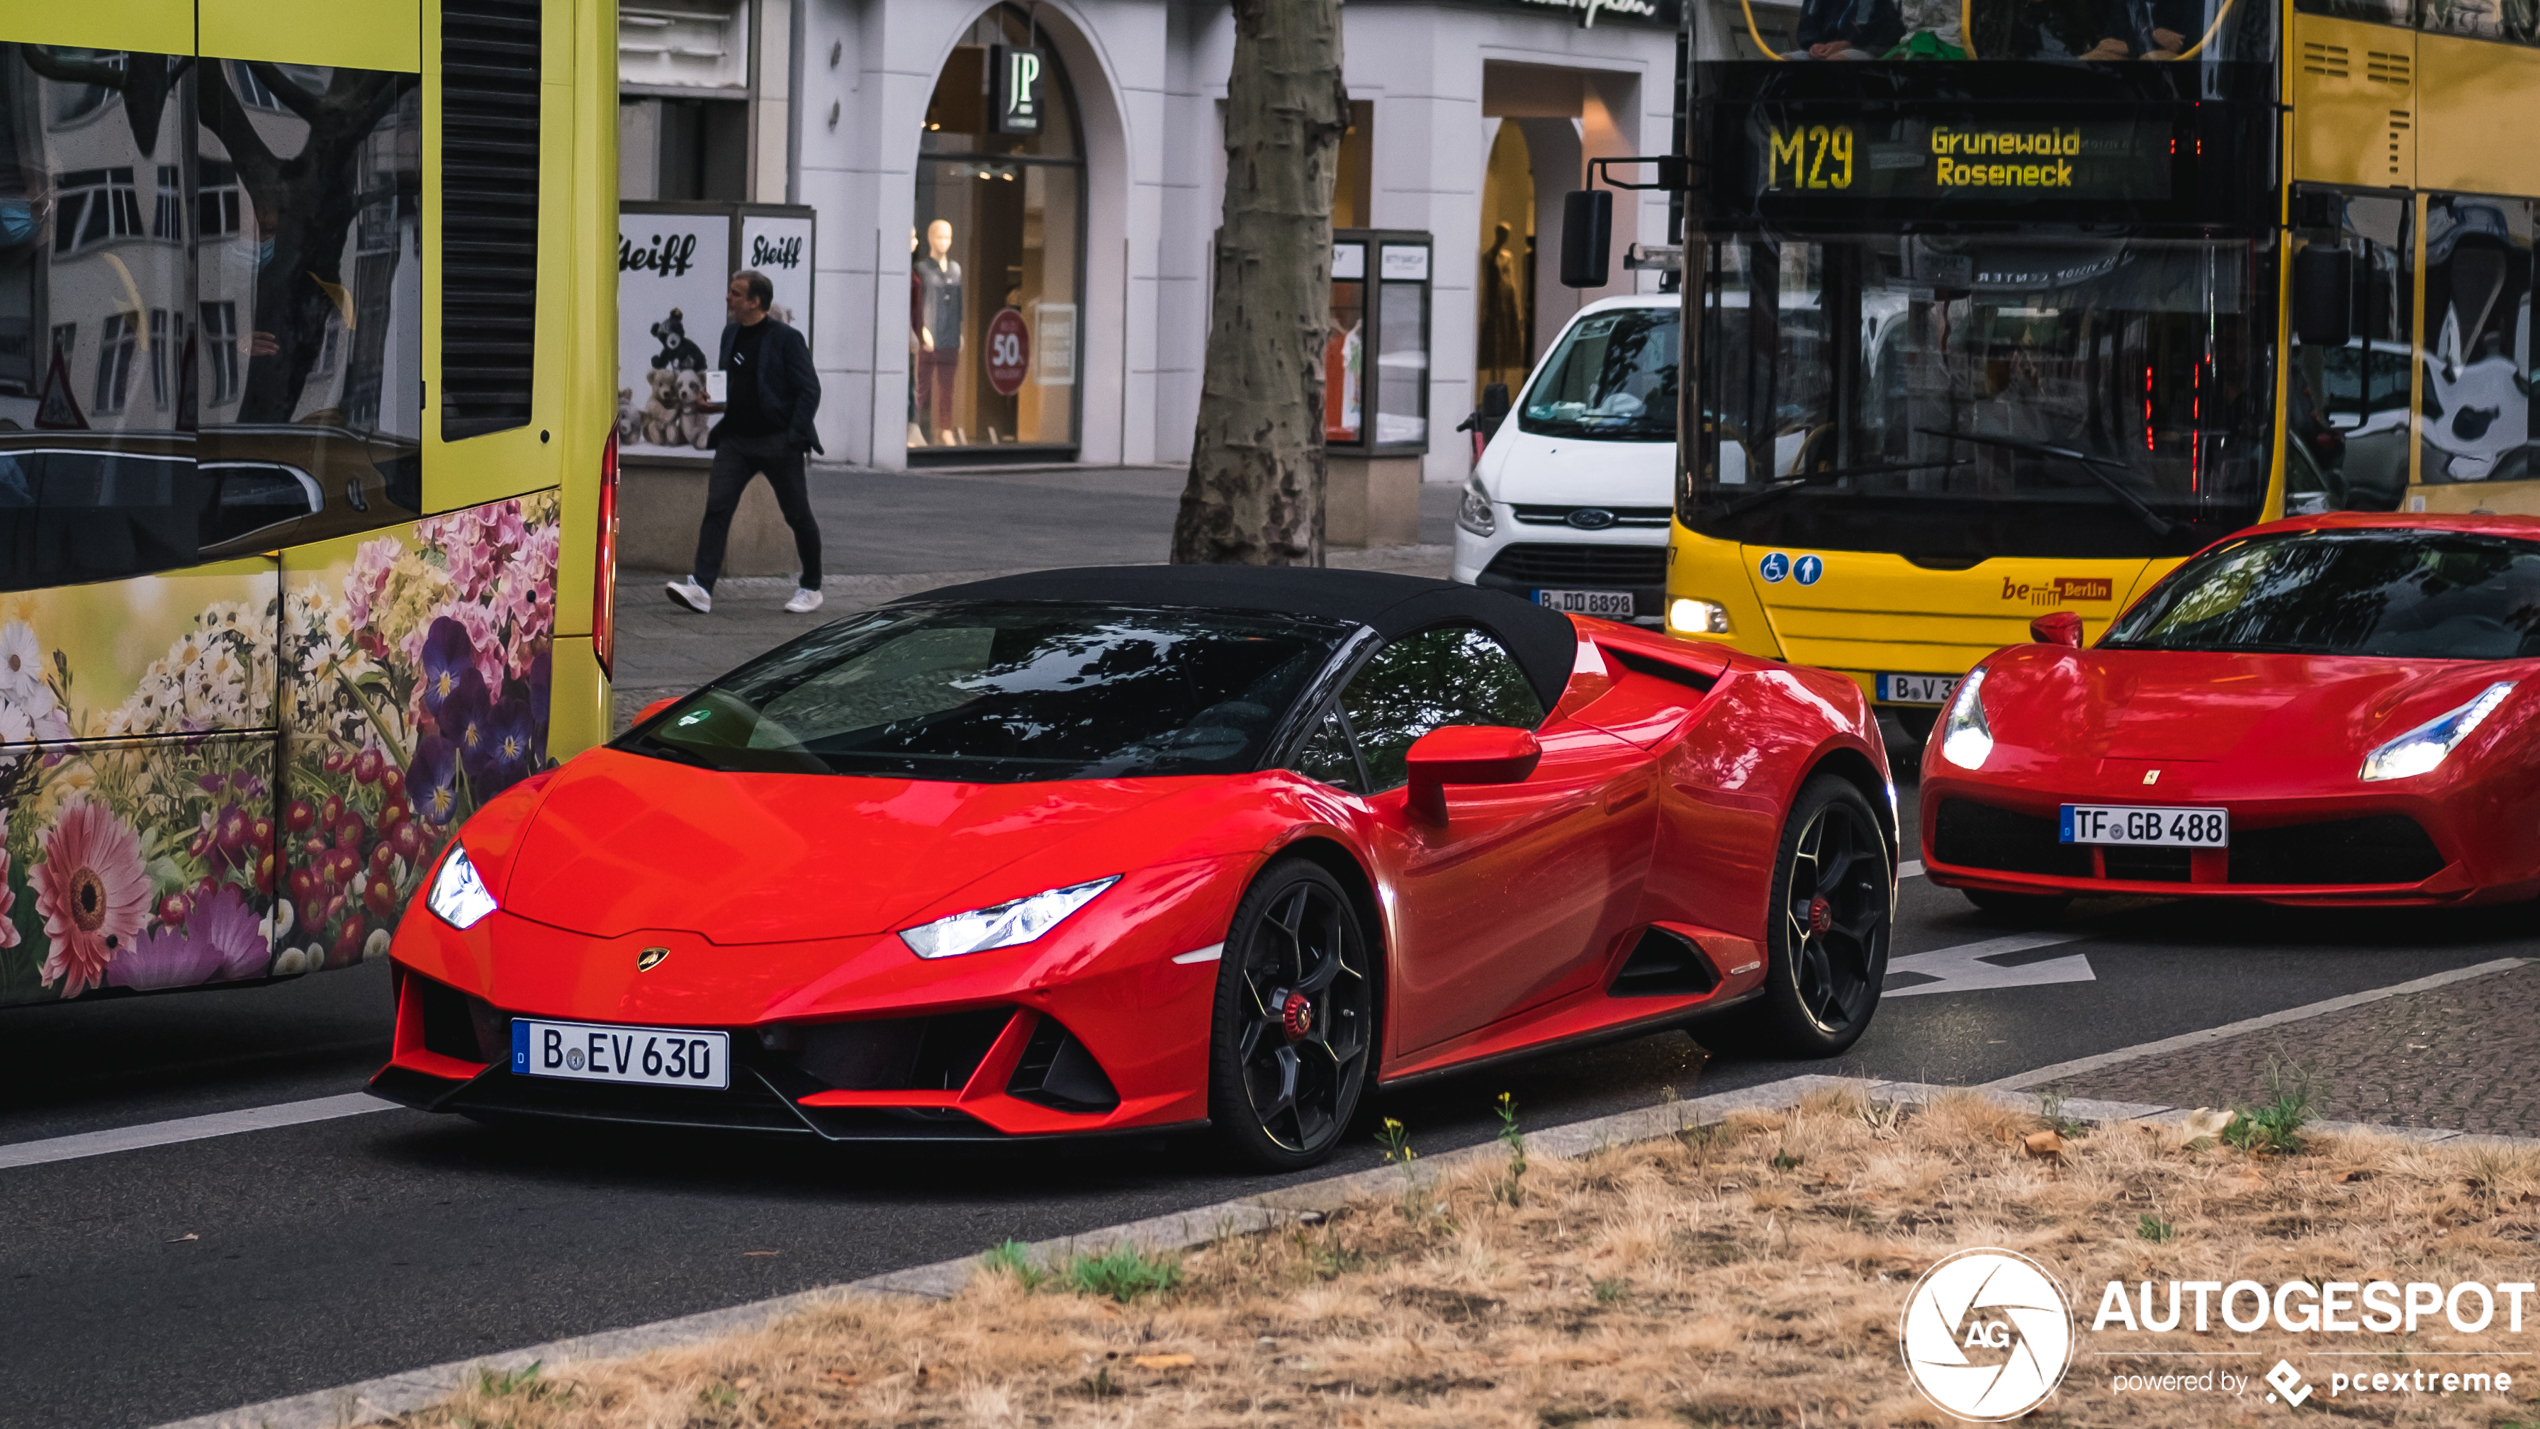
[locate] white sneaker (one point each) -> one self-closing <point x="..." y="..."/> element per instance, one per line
<point x="803" y="603"/>
<point x="687" y="592"/>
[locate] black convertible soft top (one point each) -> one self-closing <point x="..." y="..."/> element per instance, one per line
<point x="1545" y="643"/>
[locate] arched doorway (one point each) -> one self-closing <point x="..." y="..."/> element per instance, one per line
<point x="1506" y="279"/>
<point x="997" y="251"/>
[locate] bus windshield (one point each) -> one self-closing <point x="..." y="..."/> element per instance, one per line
<point x="1979" y="396"/>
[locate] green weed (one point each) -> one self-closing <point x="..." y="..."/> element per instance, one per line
<point x="2152" y="1228"/>
<point x="1512" y="1188"/>
<point x="1013" y="1257"/>
<point x="1122" y="1273"/>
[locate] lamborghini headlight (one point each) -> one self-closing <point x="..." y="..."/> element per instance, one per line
<point x="2420" y="749"/>
<point x="1965" y="739"/>
<point x="459" y="898"/>
<point x="1475" y="514"/>
<point x="1004" y="925"/>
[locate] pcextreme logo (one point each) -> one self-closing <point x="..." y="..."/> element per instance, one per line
<point x="1987" y="1334"/>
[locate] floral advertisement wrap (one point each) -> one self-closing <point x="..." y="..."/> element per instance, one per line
<point x="164" y="829"/>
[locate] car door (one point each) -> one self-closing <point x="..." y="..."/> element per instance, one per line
<point x="1517" y="898"/>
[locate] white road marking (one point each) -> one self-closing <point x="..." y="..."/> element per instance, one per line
<point x="187" y="1128"/>
<point x="1910" y="868"/>
<point x="1209" y="954"/>
<point x="1964" y="969"/>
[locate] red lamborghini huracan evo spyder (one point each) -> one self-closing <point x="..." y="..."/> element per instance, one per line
<point x="1111" y="849"/>
<point x="2331" y="709"/>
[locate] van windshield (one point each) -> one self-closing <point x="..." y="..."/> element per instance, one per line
<point x="1613" y="378"/>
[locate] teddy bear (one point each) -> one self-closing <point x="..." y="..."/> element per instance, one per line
<point x="661" y="413"/>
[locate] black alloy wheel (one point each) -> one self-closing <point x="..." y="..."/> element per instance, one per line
<point x="1833" y="908"/>
<point x="1295" y="1025"/>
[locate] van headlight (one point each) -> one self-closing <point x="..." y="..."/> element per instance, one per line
<point x="1965" y="739"/>
<point x="458" y="897"/>
<point x="1475" y="514"/>
<point x="2422" y="748"/>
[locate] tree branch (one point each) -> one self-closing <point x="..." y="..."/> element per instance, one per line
<point x="299" y="101"/>
<point x="43" y="61"/>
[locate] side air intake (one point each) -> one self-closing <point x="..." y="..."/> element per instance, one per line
<point x="1057" y="1071"/>
<point x="1664" y="964"/>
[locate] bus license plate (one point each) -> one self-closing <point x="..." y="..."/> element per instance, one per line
<point x="1917" y="689"/>
<point x="645" y="1056"/>
<point x="1610" y="604"/>
<point x="2177" y="828"/>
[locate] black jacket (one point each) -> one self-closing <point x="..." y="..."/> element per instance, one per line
<point x="788" y="388"/>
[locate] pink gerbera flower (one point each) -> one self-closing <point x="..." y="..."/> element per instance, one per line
<point x="93" y="893"/>
<point x="8" y="901"/>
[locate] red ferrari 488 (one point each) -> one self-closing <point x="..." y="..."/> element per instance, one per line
<point x="2321" y="710"/>
<point x="1100" y="850"/>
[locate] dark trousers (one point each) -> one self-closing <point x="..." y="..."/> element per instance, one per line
<point x="736" y="460"/>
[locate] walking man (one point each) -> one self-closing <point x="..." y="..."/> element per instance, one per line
<point x="772" y="395"/>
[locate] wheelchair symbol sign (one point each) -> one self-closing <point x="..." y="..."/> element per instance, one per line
<point x="1807" y="568"/>
<point x="1775" y="567"/>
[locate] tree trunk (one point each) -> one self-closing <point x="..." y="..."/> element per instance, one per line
<point x="1255" y="495"/>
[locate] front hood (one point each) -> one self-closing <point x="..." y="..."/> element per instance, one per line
<point x="2197" y="706"/>
<point x="1525" y="469"/>
<point x="622" y="842"/>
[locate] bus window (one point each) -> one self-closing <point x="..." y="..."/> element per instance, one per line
<point x="1982" y="396"/>
<point x="2092" y="31"/>
<point x="2346" y="413"/>
<point x="2476" y="420"/>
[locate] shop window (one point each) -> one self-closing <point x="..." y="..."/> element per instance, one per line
<point x="114" y="362"/>
<point x="996" y="256"/>
<point x="1507" y="277"/>
<point x="1352" y="196"/>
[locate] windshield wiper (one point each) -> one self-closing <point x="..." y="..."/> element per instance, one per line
<point x="2097" y="468"/>
<point x="1784" y="485"/>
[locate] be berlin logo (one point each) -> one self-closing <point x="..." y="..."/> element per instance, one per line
<point x="1987" y="1334"/>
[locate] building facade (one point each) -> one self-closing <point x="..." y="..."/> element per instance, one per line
<point x="1016" y="201"/>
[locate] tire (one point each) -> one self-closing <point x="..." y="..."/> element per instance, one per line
<point x="1831" y="908"/>
<point x="1292" y="1040"/>
<point x="2027" y="910"/>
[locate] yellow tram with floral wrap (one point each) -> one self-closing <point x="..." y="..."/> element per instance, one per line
<point x="306" y="478"/>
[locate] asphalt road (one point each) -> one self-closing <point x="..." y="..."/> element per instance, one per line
<point x="148" y="1285"/>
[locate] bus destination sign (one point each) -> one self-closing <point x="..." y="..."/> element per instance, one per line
<point x="1811" y="154"/>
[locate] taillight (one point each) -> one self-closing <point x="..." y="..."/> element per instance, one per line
<point x="604" y="564"/>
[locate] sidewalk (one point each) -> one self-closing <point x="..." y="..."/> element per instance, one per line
<point x="2456" y="1058"/>
<point x="887" y="534"/>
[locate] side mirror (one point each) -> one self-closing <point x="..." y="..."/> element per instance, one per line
<point x="2324" y="296"/>
<point x="1467" y="754"/>
<point x="2061" y="627"/>
<point x="656" y="707"/>
<point x="1587" y="237"/>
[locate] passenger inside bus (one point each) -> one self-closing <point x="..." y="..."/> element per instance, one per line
<point x="2096" y="31"/>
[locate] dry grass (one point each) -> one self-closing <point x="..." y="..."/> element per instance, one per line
<point x="1750" y="1273"/>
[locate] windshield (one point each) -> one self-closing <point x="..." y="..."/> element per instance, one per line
<point x="1968" y="397"/>
<point x="2066" y="31"/>
<point x="2431" y="595"/>
<point x="1613" y="378"/>
<point x="1005" y="693"/>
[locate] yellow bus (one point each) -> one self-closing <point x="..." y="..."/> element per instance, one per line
<point x="306" y="479"/>
<point x="2003" y="306"/>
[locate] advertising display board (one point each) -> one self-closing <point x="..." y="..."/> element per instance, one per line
<point x="674" y="261"/>
<point x="1376" y="350"/>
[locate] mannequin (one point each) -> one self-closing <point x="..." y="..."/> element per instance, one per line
<point x="938" y="332"/>
<point x="1503" y="320"/>
<point x="916" y="325"/>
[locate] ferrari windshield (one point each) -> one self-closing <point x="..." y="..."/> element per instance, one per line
<point x="1613" y="378"/>
<point x="1980" y="396"/>
<point x="1005" y="693"/>
<point x="2430" y="595"/>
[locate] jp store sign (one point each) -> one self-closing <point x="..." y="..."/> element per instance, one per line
<point x="1015" y="83"/>
<point x="1986" y="1335"/>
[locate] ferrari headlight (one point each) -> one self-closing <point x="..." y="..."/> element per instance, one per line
<point x="1698" y="617"/>
<point x="1475" y="514"/>
<point x="1001" y="926"/>
<point x="2423" y="747"/>
<point x="1965" y="739"/>
<point x="458" y="896"/>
